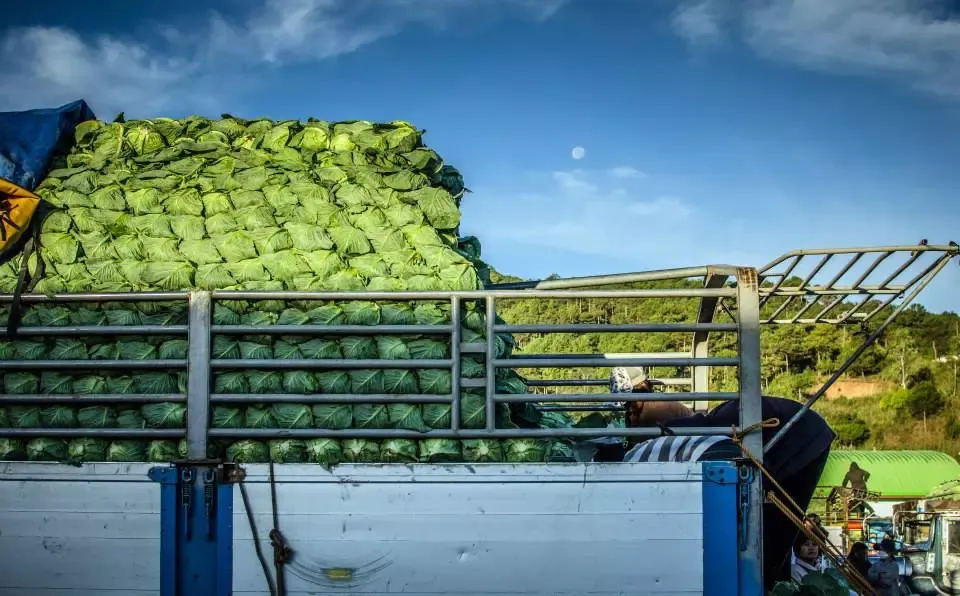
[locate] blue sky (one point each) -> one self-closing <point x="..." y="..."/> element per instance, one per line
<point x="714" y="131"/>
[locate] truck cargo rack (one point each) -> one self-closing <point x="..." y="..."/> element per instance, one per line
<point x="833" y="286"/>
<point x="200" y="365"/>
<point x="731" y="300"/>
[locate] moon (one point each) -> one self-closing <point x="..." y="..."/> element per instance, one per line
<point x="578" y="152"/>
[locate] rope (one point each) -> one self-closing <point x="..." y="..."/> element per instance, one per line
<point x="282" y="553"/>
<point x="853" y="577"/>
<point x="272" y="588"/>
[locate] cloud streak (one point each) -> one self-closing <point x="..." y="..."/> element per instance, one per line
<point x="914" y="41"/>
<point x="55" y="64"/>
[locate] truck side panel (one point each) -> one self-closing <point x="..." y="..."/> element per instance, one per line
<point x="484" y="529"/>
<point x="93" y="530"/>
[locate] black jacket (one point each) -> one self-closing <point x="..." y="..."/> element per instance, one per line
<point x="806" y="440"/>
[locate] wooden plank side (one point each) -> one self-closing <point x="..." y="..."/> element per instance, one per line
<point x="526" y="531"/>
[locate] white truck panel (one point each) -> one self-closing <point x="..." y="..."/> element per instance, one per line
<point x="90" y="530"/>
<point x="466" y="530"/>
<point x="483" y="529"/>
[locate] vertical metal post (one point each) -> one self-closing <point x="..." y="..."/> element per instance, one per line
<point x="751" y="413"/>
<point x="455" y="374"/>
<point x="491" y="369"/>
<point x="701" y="339"/>
<point x="198" y="381"/>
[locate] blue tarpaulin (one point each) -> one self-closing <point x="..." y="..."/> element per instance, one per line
<point x="29" y="139"/>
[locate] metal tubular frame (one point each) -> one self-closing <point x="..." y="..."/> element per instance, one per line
<point x="201" y="366"/>
<point x="185" y="483"/>
<point x="885" y="289"/>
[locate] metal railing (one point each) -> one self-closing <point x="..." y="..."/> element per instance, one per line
<point x="201" y="366"/>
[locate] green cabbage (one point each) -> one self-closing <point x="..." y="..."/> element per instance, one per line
<point x="164" y="204"/>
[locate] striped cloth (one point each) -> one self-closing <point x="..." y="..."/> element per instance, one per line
<point x="675" y="448"/>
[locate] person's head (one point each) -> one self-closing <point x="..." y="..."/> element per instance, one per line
<point x="806" y="549"/>
<point x="643" y="413"/>
<point x="854" y="467"/>
<point x="858" y="552"/>
<point x="887" y="547"/>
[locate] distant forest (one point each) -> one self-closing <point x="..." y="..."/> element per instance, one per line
<point x="907" y="389"/>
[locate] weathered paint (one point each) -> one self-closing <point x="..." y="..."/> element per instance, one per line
<point x="482" y="529"/>
<point x="468" y="530"/>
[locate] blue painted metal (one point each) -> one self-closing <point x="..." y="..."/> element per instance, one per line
<point x="167" y="477"/>
<point x="720" y="550"/>
<point x="196" y="537"/>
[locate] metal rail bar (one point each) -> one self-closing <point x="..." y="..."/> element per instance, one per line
<point x="28" y="365"/>
<point x="305" y="364"/>
<point x="596" y="382"/>
<point x="842" y="292"/>
<point x="751" y="414"/>
<point x="550" y="362"/>
<point x="807" y="307"/>
<point x="98" y="433"/>
<point x="850" y="250"/>
<point x="608" y="356"/>
<point x="940" y="264"/>
<point x="455" y="372"/>
<point x="101" y="297"/>
<point x="490" y="391"/>
<point x="331" y="329"/>
<point x="92" y="399"/>
<point x="846" y="269"/>
<point x="616" y="397"/>
<point x="476" y="295"/>
<point x="502" y="433"/>
<point x="580" y="408"/>
<point x="783" y="276"/>
<point x="873" y="267"/>
<point x="198" y="381"/>
<point x="617" y="279"/>
<point x="105" y="330"/>
<point x="621" y="328"/>
<point x="330" y="398"/>
<point x="700" y="375"/>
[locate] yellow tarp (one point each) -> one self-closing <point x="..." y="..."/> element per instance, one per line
<point x="17" y="206"/>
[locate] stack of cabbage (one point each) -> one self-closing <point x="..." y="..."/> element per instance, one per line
<point x="253" y="205"/>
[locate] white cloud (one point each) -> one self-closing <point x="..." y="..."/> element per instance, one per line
<point x="626" y="172"/>
<point x="586" y="212"/>
<point x="915" y="41"/>
<point x="55" y="66"/>
<point x="585" y="222"/>
<point x="190" y="70"/>
<point x="698" y="22"/>
<point x="574" y="182"/>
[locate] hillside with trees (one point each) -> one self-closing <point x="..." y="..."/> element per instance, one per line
<point x="907" y="382"/>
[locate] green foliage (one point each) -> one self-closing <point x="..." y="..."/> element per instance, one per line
<point x="924" y="399"/>
<point x="851" y="430"/>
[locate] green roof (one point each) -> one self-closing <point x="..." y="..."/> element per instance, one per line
<point x="899" y="475"/>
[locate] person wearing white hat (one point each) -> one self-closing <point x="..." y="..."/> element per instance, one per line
<point x="649" y="413"/>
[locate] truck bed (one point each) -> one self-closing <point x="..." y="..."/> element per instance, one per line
<point x="375" y="529"/>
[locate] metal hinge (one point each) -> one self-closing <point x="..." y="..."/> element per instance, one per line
<point x="746" y="479"/>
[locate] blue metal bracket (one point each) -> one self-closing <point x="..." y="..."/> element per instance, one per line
<point x="720" y="555"/>
<point x="724" y="485"/>
<point x="196" y="527"/>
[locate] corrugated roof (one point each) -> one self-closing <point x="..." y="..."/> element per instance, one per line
<point x="894" y="474"/>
